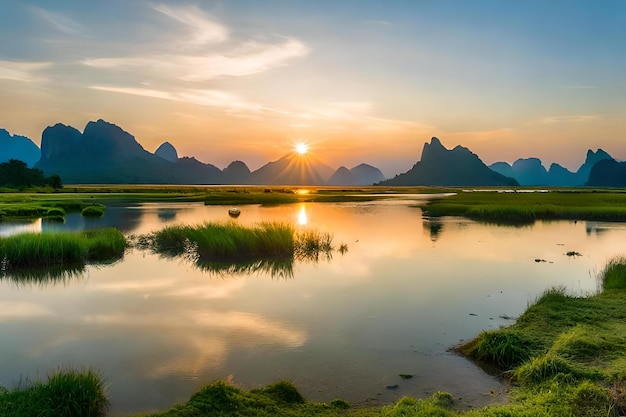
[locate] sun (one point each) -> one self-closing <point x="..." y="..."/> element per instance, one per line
<point x="302" y="148"/>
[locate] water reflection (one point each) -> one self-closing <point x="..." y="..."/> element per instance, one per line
<point x="159" y="328"/>
<point x="275" y="268"/>
<point x="52" y="275"/>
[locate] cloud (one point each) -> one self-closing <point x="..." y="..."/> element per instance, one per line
<point x="203" y="30"/>
<point x="202" y="97"/>
<point x="248" y="59"/>
<point x="22" y="71"/>
<point x="572" y="118"/>
<point x="59" y="22"/>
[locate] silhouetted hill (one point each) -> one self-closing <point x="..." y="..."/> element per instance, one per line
<point x="18" y="147"/>
<point x="292" y="169"/>
<point x="167" y="151"/>
<point x="607" y="173"/>
<point x="237" y="172"/>
<point x="362" y="174"/>
<point x="104" y="153"/>
<point x="530" y="171"/>
<point x="440" y="166"/>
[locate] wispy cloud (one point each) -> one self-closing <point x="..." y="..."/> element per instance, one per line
<point x="209" y="98"/>
<point x="202" y="29"/>
<point x="23" y="71"/>
<point x="59" y="22"/>
<point x="572" y="118"/>
<point x="248" y="59"/>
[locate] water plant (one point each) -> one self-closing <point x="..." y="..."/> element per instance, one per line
<point x="27" y="250"/>
<point x="233" y="248"/>
<point x="66" y="393"/>
<point x="95" y="210"/>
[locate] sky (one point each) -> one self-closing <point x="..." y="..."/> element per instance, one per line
<point x="359" y="81"/>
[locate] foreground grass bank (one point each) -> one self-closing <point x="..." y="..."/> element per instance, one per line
<point x="526" y="207"/>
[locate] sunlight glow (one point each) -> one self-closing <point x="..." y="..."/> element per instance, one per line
<point x="302" y="148"/>
<point x="303" y="219"/>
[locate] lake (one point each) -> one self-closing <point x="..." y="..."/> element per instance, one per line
<point x="407" y="289"/>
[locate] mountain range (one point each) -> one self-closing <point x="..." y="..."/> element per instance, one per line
<point x="531" y="172"/>
<point x="105" y="153"/>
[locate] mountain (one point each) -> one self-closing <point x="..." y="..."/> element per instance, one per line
<point x="167" y="151"/>
<point x="292" y="169"/>
<point x="104" y="153"/>
<point x="362" y="174"/>
<point x="443" y="167"/>
<point x="237" y="172"/>
<point x="607" y="173"/>
<point x="18" y="147"/>
<point x="530" y="171"/>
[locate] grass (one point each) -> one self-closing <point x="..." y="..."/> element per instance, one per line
<point x="29" y="250"/>
<point x="613" y="277"/>
<point x="96" y="210"/>
<point x="232" y="248"/>
<point x="65" y="394"/>
<point x="525" y="208"/>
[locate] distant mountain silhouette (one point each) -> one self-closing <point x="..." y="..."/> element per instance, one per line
<point x="18" y="147"/>
<point x="608" y="173"/>
<point x="443" y="167"/>
<point x="292" y="169"/>
<point x="362" y="174"/>
<point x="167" y="151"/>
<point x="104" y="153"/>
<point x="237" y="172"/>
<point x="530" y="171"/>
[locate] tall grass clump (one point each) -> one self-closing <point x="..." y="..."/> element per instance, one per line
<point x="222" y="242"/>
<point x="60" y="248"/>
<point x="502" y="348"/>
<point x="65" y="394"/>
<point x="613" y="276"/>
<point x="310" y="244"/>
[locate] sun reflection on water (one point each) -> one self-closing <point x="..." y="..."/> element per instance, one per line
<point x="302" y="216"/>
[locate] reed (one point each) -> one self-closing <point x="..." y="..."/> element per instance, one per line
<point x="27" y="250"/>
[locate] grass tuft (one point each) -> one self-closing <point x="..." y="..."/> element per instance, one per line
<point x="613" y="276"/>
<point x="65" y="394"/>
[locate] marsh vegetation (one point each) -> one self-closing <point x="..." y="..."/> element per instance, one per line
<point x="527" y="207"/>
<point x="31" y="250"/>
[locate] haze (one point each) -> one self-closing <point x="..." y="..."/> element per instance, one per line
<point x="356" y="81"/>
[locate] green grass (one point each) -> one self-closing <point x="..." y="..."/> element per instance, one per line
<point x="525" y="208"/>
<point x="230" y="247"/>
<point x="96" y="210"/>
<point x="28" y="250"/>
<point x="613" y="277"/>
<point x="64" y="394"/>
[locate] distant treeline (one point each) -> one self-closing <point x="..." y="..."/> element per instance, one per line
<point x="16" y="174"/>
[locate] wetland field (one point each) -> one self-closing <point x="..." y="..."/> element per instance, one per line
<point x="313" y="301"/>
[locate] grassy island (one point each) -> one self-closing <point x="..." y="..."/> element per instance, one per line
<point x="526" y="207"/>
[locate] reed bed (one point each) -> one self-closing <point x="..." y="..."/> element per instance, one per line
<point x="27" y="250"/>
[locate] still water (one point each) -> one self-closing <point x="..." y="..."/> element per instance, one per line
<point x="407" y="290"/>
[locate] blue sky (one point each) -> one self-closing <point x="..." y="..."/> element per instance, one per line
<point x="359" y="81"/>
